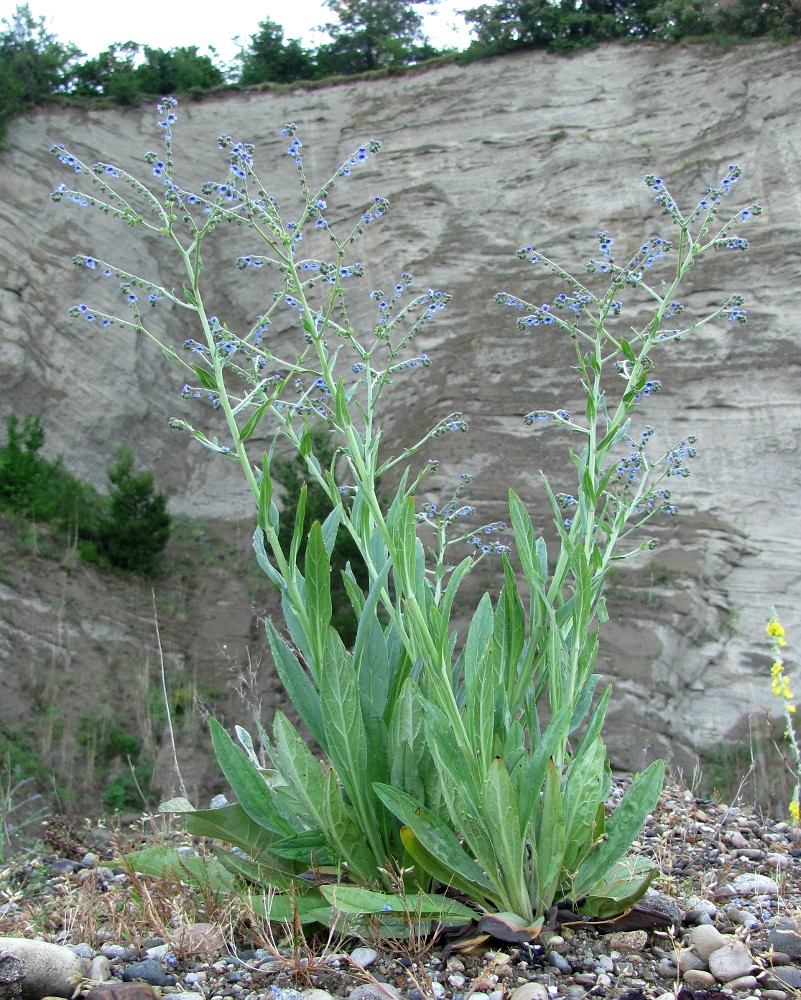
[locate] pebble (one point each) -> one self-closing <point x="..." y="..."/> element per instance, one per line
<point x="198" y="939"/>
<point x="686" y="960"/>
<point x="785" y="935"/>
<point x="754" y="884"/>
<point x="627" y="942"/>
<point x="730" y="962"/>
<point x="560" y="963"/>
<point x="789" y="975"/>
<point x="529" y="991"/>
<point x="150" y="971"/>
<point x="741" y="983"/>
<point x="100" y="969"/>
<point x="368" y="991"/>
<point x="158" y="952"/>
<point x="112" y="951"/>
<point x="363" y="956"/>
<point x="307" y="995"/>
<point x="125" y="991"/>
<point x="698" y="977"/>
<point x="704" y="939"/>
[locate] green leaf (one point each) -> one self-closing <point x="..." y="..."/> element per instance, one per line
<point x="622" y="828"/>
<point x="331" y="528"/>
<point x="582" y="795"/>
<point x="444" y="857"/>
<point x="354" y="900"/>
<point x="525" y="540"/>
<point x="300" y="525"/>
<point x="502" y="821"/>
<point x="318" y="587"/>
<point x="627" y="883"/>
<point x="205" y="378"/>
<point x="232" y="825"/>
<point x="532" y="775"/>
<point x="255" y="420"/>
<point x="254" y="795"/>
<point x="160" y="862"/>
<point x="550" y="838"/>
<point x="344" y="834"/>
<point x="286" y="908"/>
<point x="479" y="635"/>
<point x="299" y="767"/>
<point x="628" y="353"/>
<point x="302" y="693"/>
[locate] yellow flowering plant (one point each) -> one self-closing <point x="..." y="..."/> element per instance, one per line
<point x="781" y="688"/>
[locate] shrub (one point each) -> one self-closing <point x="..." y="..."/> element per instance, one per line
<point x="137" y="527"/>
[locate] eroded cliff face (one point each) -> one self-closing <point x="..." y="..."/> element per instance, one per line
<point x="477" y="161"/>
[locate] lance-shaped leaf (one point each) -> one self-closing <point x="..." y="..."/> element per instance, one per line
<point x="444" y="857"/>
<point x="355" y="900"/>
<point x="254" y="794"/>
<point x="344" y="835"/>
<point x="297" y="683"/>
<point x="622" y="828"/>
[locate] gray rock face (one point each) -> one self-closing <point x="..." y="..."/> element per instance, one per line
<point x="478" y="161"/>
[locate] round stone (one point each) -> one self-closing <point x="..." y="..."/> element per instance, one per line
<point x="698" y="977"/>
<point x="363" y="956"/>
<point x="730" y="962"/>
<point x="704" y="939"/>
<point x="530" y="991"/>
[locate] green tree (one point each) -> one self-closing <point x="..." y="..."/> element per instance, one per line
<point x="34" y="65"/>
<point x="269" y="58"/>
<point x="177" y="71"/>
<point x="137" y="526"/>
<point x="111" y="74"/>
<point x="371" y="34"/>
<point x="23" y="473"/>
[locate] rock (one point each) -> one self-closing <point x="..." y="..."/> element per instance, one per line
<point x="754" y="884"/>
<point x="306" y="995"/>
<point x="99" y="969"/>
<point x="12" y="971"/>
<point x="787" y="975"/>
<point x="51" y="969"/>
<point x="112" y="950"/>
<point x="705" y="939"/>
<point x="628" y="942"/>
<point x="158" y="951"/>
<point x="148" y="970"/>
<point x="363" y="956"/>
<point x="741" y="983"/>
<point x="737" y="840"/>
<point x="530" y="991"/>
<point x="785" y="935"/>
<point x="124" y="991"/>
<point x="686" y="960"/>
<point x="698" y="977"/>
<point x="559" y="962"/>
<point x="730" y="962"/>
<point x="198" y="940"/>
<point x="369" y="991"/>
<point x="697" y="905"/>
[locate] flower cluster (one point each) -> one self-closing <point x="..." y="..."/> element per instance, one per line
<point x="781" y="688"/>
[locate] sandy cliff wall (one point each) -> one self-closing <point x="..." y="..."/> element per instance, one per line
<point x="478" y="161"/>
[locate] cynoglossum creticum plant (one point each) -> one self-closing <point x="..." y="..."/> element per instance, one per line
<point x="440" y="769"/>
<point x="781" y="688"/>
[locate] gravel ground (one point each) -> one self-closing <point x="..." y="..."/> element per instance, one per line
<point x="724" y="915"/>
